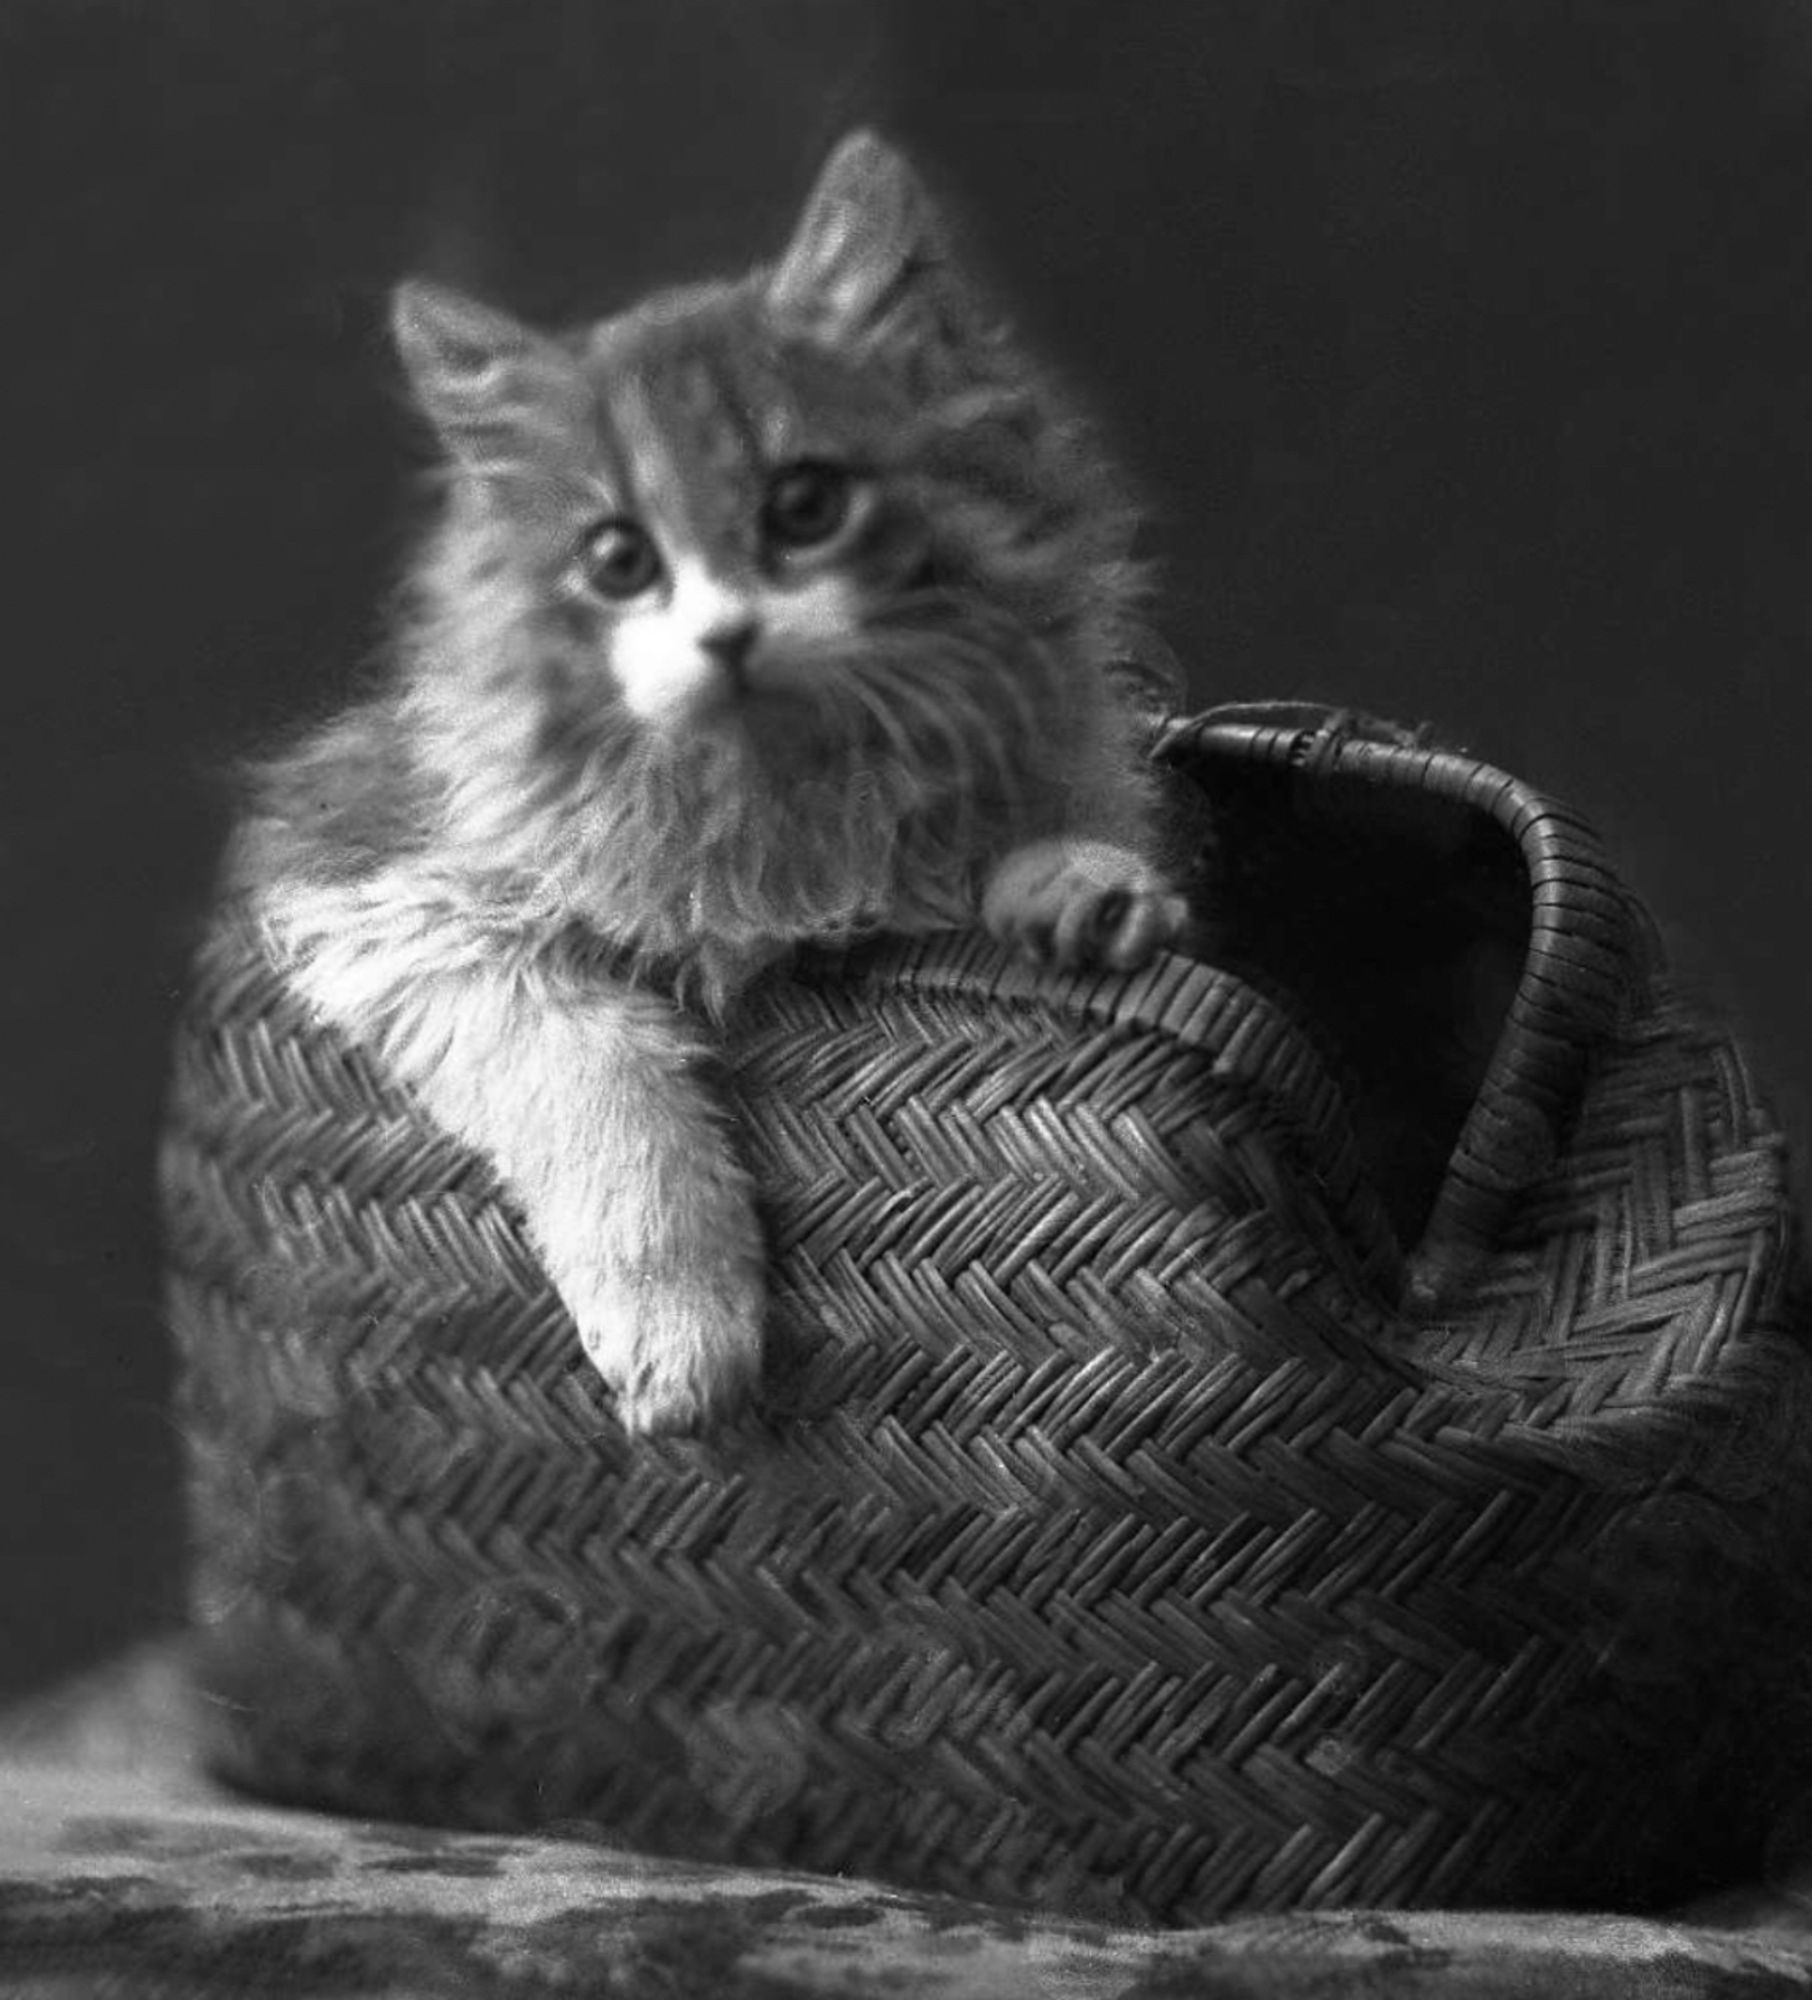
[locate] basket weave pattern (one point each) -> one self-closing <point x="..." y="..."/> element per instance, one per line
<point x="1129" y="1524"/>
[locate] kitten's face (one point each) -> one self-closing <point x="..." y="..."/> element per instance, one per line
<point x="732" y="521"/>
<point x="806" y="539"/>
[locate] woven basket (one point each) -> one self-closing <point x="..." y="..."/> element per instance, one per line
<point x="1326" y="1425"/>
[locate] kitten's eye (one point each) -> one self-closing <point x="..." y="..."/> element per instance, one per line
<point x="807" y="504"/>
<point x="619" y="560"/>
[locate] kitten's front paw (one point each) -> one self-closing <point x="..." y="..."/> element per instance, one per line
<point x="680" y="1351"/>
<point x="1082" y="902"/>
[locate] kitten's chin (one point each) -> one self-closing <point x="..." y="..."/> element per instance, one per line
<point x="764" y="736"/>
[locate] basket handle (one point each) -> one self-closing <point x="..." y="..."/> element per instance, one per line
<point x="1589" y="944"/>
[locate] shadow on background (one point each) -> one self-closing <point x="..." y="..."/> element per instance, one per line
<point x="1463" y="352"/>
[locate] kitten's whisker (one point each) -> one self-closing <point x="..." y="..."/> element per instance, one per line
<point x="952" y="706"/>
<point x="880" y="716"/>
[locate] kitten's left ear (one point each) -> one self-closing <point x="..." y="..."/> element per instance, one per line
<point x="866" y="244"/>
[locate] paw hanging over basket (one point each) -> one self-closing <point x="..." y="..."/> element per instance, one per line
<point x="1327" y="1425"/>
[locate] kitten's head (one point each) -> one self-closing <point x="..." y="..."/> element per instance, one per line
<point x="779" y="598"/>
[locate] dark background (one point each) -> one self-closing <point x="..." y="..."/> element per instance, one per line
<point x="1462" y="348"/>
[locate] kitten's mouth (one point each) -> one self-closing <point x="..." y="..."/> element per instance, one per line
<point x="813" y="759"/>
<point x="763" y="701"/>
<point x="747" y="701"/>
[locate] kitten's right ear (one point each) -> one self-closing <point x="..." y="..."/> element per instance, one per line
<point x="475" y="370"/>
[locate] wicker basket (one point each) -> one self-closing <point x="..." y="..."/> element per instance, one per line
<point x="1326" y="1425"/>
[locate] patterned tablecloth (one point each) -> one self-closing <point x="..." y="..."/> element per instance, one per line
<point x="124" y="1871"/>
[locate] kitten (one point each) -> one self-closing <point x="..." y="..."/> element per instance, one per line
<point x="769" y="611"/>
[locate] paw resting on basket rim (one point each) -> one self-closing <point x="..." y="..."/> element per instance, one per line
<point x="680" y="1349"/>
<point x="1082" y="903"/>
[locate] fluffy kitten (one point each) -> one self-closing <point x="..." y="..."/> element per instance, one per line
<point x="768" y="611"/>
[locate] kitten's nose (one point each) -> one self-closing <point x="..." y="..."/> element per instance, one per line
<point x="730" y="642"/>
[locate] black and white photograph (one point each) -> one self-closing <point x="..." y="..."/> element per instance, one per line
<point x="906" y="1077"/>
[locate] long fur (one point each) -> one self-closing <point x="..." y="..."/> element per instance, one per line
<point x="930" y="731"/>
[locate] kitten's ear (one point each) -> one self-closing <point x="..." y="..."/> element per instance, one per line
<point x="475" y="371"/>
<point x="866" y="243"/>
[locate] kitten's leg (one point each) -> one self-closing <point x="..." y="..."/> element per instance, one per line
<point x="601" y="1125"/>
<point x="596" y="1116"/>
<point x="591" y="1105"/>
<point x="1068" y="901"/>
<point x="645" y="1220"/>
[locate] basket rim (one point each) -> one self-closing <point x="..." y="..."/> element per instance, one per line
<point x="1194" y="1003"/>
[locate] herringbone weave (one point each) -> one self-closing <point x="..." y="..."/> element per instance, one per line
<point x="1154" y="1507"/>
